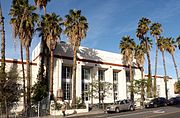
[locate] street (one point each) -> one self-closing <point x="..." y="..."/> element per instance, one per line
<point x="160" y="112"/>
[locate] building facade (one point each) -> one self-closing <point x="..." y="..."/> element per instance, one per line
<point x="94" y="65"/>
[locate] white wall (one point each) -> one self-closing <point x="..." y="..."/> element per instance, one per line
<point x="96" y="59"/>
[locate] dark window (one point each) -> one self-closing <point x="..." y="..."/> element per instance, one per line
<point x="122" y="102"/>
<point x="67" y="91"/>
<point x="115" y="76"/>
<point x="115" y="96"/>
<point x="85" y="83"/>
<point x="86" y="86"/>
<point x="66" y="72"/>
<point x="115" y="87"/>
<point x="86" y="73"/>
<point x="101" y="75"/>
<point x="86" y="96"/>
<point x="126" y="101"/>
<point x="127" y="76"/>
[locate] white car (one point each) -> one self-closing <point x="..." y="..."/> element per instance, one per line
<point x="121" y="105"/>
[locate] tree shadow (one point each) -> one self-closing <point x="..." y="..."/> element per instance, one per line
<point x="89" y="54"/>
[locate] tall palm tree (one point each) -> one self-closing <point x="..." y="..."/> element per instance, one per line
<point x="139" y="56"/>
<point x="16" y="11"/>
<point x="2" y="41"/>
<point x="162" y="45"/>
<point x="178" y="41"/>
<point x="26" y="30"/>
<point x="42" y="4"/>
<point x="171" y="50"/>
<point x="156" y="30"/>
<point x="50" y="29"/>
<point x="127" y="47"/>
<point x="3" y="65"/>
<point x="141" y="33"/>
<point x="76" y="27"/>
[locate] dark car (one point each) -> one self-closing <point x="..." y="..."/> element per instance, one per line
<point x="174" y="100"/>
<point x="156" y="102"/>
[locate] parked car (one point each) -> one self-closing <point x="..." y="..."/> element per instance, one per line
<point x="174" y="100"/>
<point x="156" y="102"/>
<point x="121" y="105"/>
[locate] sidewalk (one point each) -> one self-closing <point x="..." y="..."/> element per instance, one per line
<point x="93" y="112"/>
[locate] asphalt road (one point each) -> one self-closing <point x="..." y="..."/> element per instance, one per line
<point x="160" y="112"/>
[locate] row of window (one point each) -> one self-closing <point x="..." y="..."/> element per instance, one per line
<point x="86" y="75"/>
<point x="67" y="73"/>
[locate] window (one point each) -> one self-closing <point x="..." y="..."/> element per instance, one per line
<point x="126" y="101"/>
<point x="66" y="72"/>
<point x="127" y="76"/>
<point x="86" y="73"/>
<point x="115" y="96"/>
<point x="115" y="87"/>
<point x="158" y="90"/>
<point x="86" y="98"/>
<point x="67" y="91"/>
<point x="85" y="83"/>
<point x="85" y="86"/>
<point x="101" y="75"/>
<point x="115" y="76"/>
<point x="122" y="102"/>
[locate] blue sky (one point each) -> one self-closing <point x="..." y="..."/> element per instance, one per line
<point x="109" y="21"/>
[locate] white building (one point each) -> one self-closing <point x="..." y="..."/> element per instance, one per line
<point x="92" y="65"/>
<point x="17" y="64"/>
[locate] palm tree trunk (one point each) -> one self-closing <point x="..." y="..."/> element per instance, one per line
<point x="155" y="73"/>
<point x="44" y="10"/>
<point x="149" y="86"/>
<point x="6" y="107"/>
<point x="131" y="80"/>
<point x="165" y="75"/>
<point x="175" y="66"/>
<point x="99" y="92"/>
<point x="3" y="61"/>
<point x="51" y="73"/>
<point x="2" y="44"/>
<point x="142" y="87"/>
<point x="92" y="91"/>
<point x="23" y="73"/>
<point x="28" y="81"/>
<point x="74" y="78"/>
<point x="113" y="91"/>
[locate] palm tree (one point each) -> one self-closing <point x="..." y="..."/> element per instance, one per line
<point x="162" y="45"/>
<point x="127" y="47"/>
<point x="50" y="29"/>
<point x="42" y="4"/>
<point x="178" y="41"/>
<point x="16" y="11"/>
<point x="139" y="56"/>
<point x="171" y="49"/>
<point x="2" y="41"/>
<point x="27" y="27"/>
<point x="141" y="33"/>
<point x="3" y="65"/>
<point x="26" y="30"/>
<point x="76" y="27"/>
<point x="156" y="30"/>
